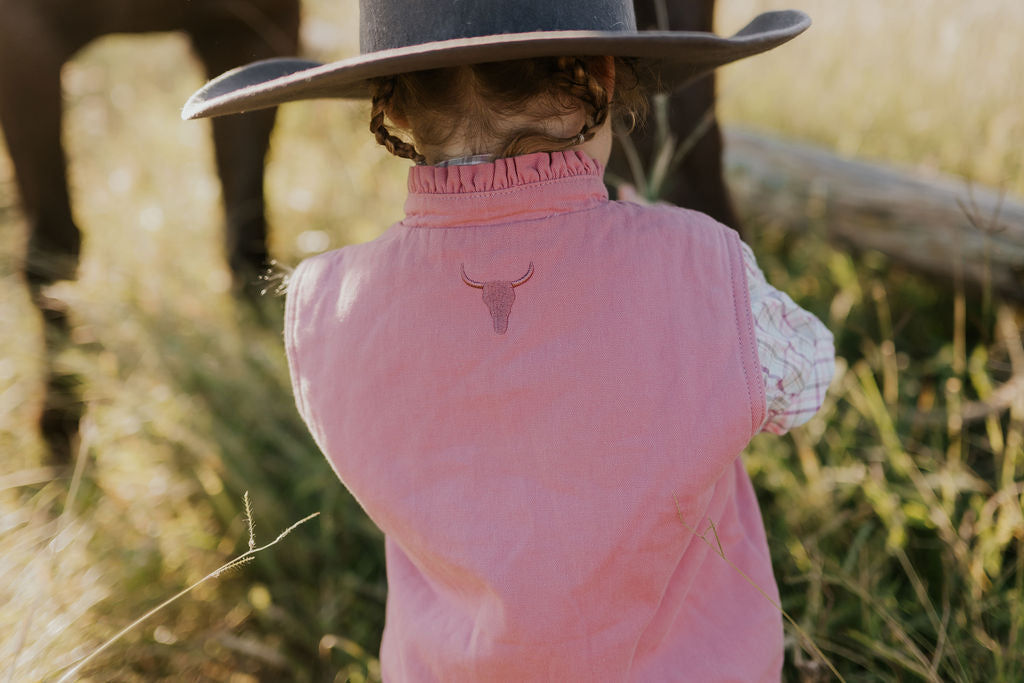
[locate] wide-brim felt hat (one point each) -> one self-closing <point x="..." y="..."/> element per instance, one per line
<point x="399" y="36"/>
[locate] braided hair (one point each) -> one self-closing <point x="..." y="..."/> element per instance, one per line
<point x="442" y="101"/>
<point x="383" y="92"/>
<point x="573" y="80"/>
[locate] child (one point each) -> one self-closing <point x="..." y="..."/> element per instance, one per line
<point x="548" y="464"/>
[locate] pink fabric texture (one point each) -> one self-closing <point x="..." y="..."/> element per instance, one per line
<point x="548" y="492"/>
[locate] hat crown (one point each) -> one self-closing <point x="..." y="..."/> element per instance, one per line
<point x="388" y="24"/>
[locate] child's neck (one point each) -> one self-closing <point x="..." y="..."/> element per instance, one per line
<point x="458" y="153"/>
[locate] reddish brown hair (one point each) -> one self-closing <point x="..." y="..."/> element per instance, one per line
<point x="438" y="103"/>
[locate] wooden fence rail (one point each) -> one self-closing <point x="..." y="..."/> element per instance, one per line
<point x="932" y="224"/>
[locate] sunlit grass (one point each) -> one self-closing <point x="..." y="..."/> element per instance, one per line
<point x="894" y="516"/>
<point x="927" y="83"/>
<point x="234" y="563"/>
<point x="895" y="520"/>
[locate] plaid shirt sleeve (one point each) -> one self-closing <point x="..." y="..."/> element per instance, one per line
<point x="795" y="350"/>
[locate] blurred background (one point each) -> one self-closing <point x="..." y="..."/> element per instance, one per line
<point x="894" y="516"/>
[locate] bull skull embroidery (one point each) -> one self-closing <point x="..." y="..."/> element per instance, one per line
<point x="498" y="295"/>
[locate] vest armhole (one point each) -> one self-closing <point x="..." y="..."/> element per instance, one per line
<point x="745" y="327"/>
<point x="291" y="322"/>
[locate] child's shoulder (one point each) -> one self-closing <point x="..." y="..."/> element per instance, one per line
<point x="315" y="267"/>
<point x="662" y="218"/>
<point x="329" y="263"/>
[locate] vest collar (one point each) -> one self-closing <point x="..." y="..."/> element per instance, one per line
<point x="509" y="190"/>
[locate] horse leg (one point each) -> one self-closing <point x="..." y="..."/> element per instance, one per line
<point x="30" y="114"/>
<point x="698" y="182"/>
<point x="241" y="140"/>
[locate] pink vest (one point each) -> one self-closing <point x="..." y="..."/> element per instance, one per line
<point x="519" y="383"/>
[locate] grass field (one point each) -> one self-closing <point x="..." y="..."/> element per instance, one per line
<point x="895" y="515"/>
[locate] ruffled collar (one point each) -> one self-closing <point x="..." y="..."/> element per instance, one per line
<point x="519" y="188"/>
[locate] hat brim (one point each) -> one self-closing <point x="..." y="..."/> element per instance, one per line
<point x="671" y="59"/>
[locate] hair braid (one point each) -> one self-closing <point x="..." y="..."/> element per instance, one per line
<point x="571" y="78"/>
<point x="384" y="90"/>
<point x="581" y="84"/>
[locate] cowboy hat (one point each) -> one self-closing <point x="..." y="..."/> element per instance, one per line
<point x="398" y="36"/>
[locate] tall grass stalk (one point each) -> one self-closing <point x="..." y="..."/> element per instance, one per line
<point x="897" y="565"/>
<point x="234" y="563"/>
<point x="716" y="547"/>
<point x="80" y="447"/>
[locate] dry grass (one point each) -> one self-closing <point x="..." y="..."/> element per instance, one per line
<point x="927" y="83"/>
<point x="895" y="523"/>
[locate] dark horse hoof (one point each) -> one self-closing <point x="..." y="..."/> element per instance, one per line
<point x="61" y="417"/>
<point x="63" y="406"/>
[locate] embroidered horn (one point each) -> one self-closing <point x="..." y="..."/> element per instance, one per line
<point x="498" y="295"/>
<point x="469" y="281"/>
<point x="529" y="274"/>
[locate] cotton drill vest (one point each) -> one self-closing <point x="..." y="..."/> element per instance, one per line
<point x="540" y="397"/>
